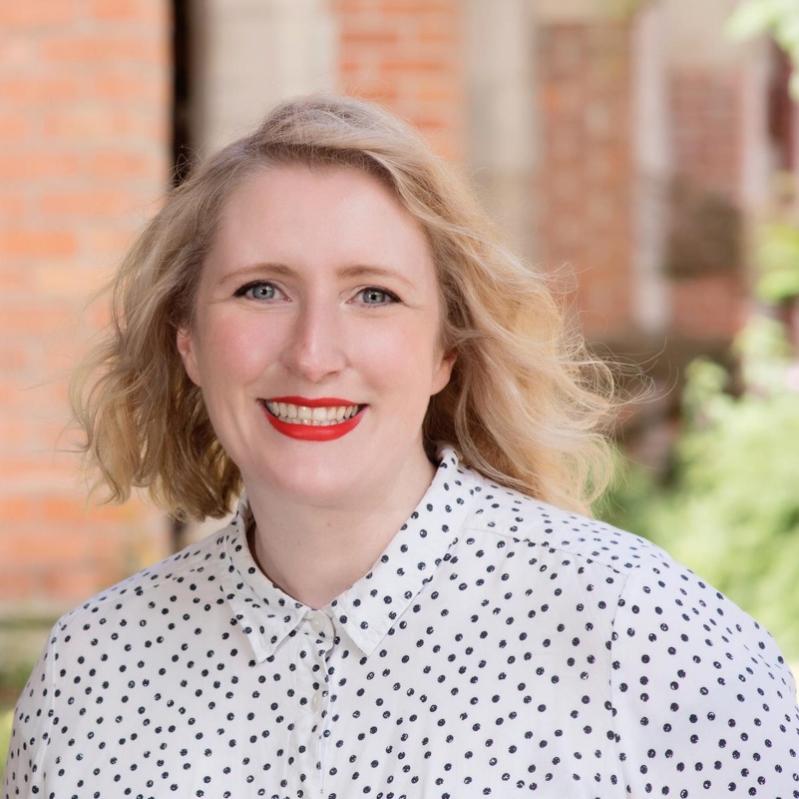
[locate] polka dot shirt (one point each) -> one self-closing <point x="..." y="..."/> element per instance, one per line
<point x="498" y="647"/>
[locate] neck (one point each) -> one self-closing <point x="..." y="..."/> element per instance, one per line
<point x="316" y="553"/>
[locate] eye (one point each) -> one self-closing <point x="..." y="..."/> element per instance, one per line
<point x="375" y="296"/>
<point x="257" y="290"/>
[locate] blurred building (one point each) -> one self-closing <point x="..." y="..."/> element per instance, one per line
<point x="625" y="153"/>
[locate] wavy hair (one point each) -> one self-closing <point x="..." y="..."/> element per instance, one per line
<point x="526" y="404"/>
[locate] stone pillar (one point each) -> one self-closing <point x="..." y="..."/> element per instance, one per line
<point x="248" y="55"/>
<point x="502" y="125"/>
<point x="652" y="167"/>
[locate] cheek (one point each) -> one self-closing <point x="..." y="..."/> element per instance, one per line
<point x="235" y="349"/>
<point x="399" y="356"/>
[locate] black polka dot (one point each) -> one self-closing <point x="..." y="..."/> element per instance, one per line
<point x="498" y="647"/>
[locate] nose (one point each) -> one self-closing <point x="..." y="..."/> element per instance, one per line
<point x="314" y="349"/>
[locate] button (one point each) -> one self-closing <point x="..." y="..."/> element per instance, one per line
<point x="320" y="623"/>
<point x="318" y="700"/>
<point x="318" y="619"/>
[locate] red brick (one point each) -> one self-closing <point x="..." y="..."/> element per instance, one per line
<point x="710" y="306"/>
<point x="409" y="65"/>
<point x="88" y="202"/>
<point x="39" y="548"/>
<point x="383" y="92"/>
<point x="13" y="358"/>
<point x="103" y="123"/>
<point x="443" y="39"/>
<point x="39" y="89"/>
<point x="28" y="164"/>
<point x="416" y="8"/>
<point x="36" y="320"/>
<point x="404" y="54"/>
<point x="127" y="11"/>
<point x="706" y="107"/>
<point x="119" y="165"/>
<point x="447" y="94"/>
<point x="96" y="49"/>
<point x="124" y="88"/>
<point x="15" y="127"/>
<point x="69" y="281"/>
<point x="33" y="14"/>
<point x="104" y="241"/>
<point x="44" y="469"/>
<point x="37" y="243"/>
<point x="350" y="65"/>
<point x="13" y="206"/>
<point x="369" y="38"/>
<point x="574" y="101"/>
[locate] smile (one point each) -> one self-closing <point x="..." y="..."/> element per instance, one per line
<point x="323" y="419"/>
<point x="319" y="416"/>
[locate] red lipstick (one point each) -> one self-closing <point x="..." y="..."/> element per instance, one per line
<point x="307" y="432"/>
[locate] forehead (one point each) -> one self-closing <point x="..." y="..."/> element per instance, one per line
<point x="297" y="211"/>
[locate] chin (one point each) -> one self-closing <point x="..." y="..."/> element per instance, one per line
<point x="307" y="482"/>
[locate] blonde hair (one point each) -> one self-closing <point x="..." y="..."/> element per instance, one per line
<point x="526" y="402"/>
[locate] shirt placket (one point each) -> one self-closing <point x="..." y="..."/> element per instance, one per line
<point x="319" y="631"/>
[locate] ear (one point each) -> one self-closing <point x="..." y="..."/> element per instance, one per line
<point x="185" y="346"/>
<point x="443" y="371"/>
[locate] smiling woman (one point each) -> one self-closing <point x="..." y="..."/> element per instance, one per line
<point x="313" y="325"/>
<point x="411" y="599"/>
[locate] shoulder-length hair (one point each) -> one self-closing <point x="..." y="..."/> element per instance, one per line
<point x="526" y="403"/>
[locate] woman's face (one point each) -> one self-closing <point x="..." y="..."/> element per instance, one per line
<point x="319" y="286"/>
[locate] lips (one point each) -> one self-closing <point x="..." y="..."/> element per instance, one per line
<point x="309" y="432"/>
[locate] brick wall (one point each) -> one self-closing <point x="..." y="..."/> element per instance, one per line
<point x="585" y="173"/>
<point x="407" y="54"/>
<point x="707" y="235"/>
<point x="706" y="112"/>
<point x="84" y="153"/>
<point x="85" y="137"/>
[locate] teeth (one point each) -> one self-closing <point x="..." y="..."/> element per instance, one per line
<point x="302" y="414"/>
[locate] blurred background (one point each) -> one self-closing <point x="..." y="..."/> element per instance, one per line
<point x="647" y="153"/>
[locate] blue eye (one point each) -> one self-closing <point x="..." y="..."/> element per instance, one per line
<point x="372" y="292"/>
<point x="257" y="290"/>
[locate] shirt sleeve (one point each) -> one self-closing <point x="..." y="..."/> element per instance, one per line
<point x="30" y="728"/>
<point x="703" y="701"/>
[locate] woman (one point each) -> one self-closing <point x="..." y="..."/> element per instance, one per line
<point x="409" y="601"/>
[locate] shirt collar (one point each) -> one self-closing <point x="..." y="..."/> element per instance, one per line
<point x="367" y="609"/>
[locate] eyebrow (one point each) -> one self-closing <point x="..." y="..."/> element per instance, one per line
<point x="356" y="270"/>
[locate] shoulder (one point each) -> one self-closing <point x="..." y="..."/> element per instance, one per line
<point x="652" y="590"/>
<point x="193" y="571"/>
<point x="505" y="512"/>
<point x="97" y="640"/>
<point x="697" y="687"/>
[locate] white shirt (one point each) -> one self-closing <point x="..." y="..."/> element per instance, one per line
<point x="498" y="647"/>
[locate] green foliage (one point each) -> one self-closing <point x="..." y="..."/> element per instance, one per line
<point x="730" y="511"/>
<point x="5" y="736"/>
<point x="777" y="256"/>
<point x="777" y="18"/>
<point x="13" y="676"/>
